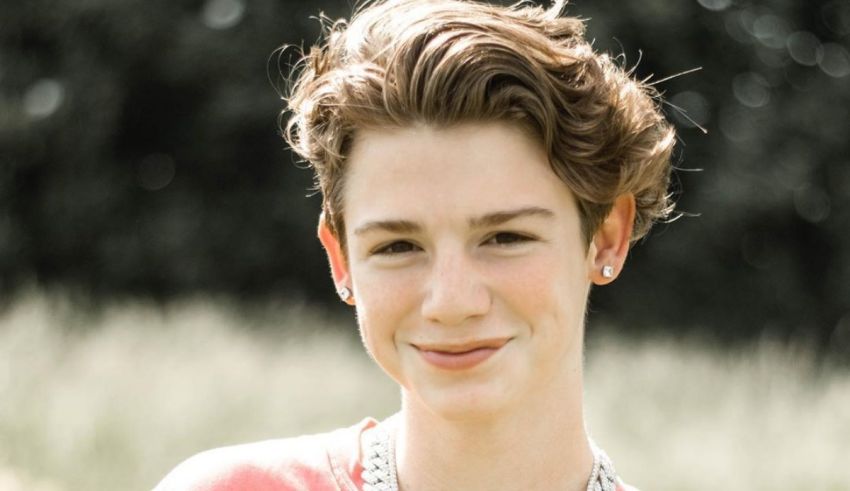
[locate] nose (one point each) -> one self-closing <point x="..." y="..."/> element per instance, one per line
<point x="456" y="291"/>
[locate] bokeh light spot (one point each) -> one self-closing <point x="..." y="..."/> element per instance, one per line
<point x="805" y="48"/>
<point x="222" y="14"/>
<point x="751" y="89"/>
<point x="772" y="57"/>
<point x="771" y="31"/>
<point x="697" y="110"/>
<point x="737" y="124"/>
<point x="812" y="204"/>
<point x="735" y="24"/>
<point x="835" y="61"/>
<point x="715" y="5"/>
<point x="155" y="171"/>
<point x="43" y="98"/>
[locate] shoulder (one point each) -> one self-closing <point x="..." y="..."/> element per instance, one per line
<point x="269" y="465"/>
<point x="323" y="461"/>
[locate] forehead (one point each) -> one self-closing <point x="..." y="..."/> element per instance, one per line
<point x="473" y="150"/>
<point x="471" y="168"/>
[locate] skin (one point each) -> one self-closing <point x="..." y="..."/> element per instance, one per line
<point x="464" y="238"/>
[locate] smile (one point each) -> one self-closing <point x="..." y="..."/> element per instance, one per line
<point x="460" y="356"/>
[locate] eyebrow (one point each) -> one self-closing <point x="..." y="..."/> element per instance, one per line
<point x="484" y="221"/>
<point x="500" y="217"/>
<point x="394" y="226"/>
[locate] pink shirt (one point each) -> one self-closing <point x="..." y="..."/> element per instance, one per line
<point x="324" y="462"/>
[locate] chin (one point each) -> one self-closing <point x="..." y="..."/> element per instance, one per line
<point x="463" y="401"/>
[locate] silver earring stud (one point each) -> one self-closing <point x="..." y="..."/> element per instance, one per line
<point x="607" y="271"/>
<point x="344" y="293"/>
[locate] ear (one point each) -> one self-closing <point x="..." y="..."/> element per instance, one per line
<point x="336" y="258"/>
<point x="610" y="244"/>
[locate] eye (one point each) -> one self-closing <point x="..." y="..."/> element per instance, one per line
<point x="507" y="238"/>
<point x="397" y="247"/>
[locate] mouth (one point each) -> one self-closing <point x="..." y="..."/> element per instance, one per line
<point x="460" y="356"/>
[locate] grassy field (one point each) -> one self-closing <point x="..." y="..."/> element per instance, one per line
<point x="112" y="400"/>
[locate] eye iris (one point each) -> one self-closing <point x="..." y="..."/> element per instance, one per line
<point x="399" y="247"/>
<point x="505" y="238"/>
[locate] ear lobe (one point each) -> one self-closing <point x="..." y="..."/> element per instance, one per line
<point x="611" y="242"/>
<point x="336" y="258"/>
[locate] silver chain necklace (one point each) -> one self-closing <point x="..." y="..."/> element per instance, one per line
<point x="379" y="471"/>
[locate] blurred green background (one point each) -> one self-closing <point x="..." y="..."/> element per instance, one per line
<point x="141" y="157"/>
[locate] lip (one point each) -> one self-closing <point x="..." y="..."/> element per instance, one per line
<point x="460" y="356"/>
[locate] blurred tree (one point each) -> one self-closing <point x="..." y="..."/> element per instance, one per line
<point x="141" y="153"/>
<point x="140" y="156"/>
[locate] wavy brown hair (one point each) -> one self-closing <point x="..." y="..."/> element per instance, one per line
<point x="445" y="62"/>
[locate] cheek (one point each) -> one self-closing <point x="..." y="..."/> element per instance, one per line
<point x="376" y="333"/>
<point x="382" y="302"/>
<point x="546" y="292"/>
<point x="529" y="289"/>
<point x="374" y="316"/>
<point x="381" y="314"/>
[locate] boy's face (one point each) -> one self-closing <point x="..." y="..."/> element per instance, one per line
<point x="468" y="268"/>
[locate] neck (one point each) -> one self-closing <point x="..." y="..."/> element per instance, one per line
<point x="540" y="443"/>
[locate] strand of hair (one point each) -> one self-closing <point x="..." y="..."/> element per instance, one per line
<point x="684" y="114"/>
<point x="670" y="77"/>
